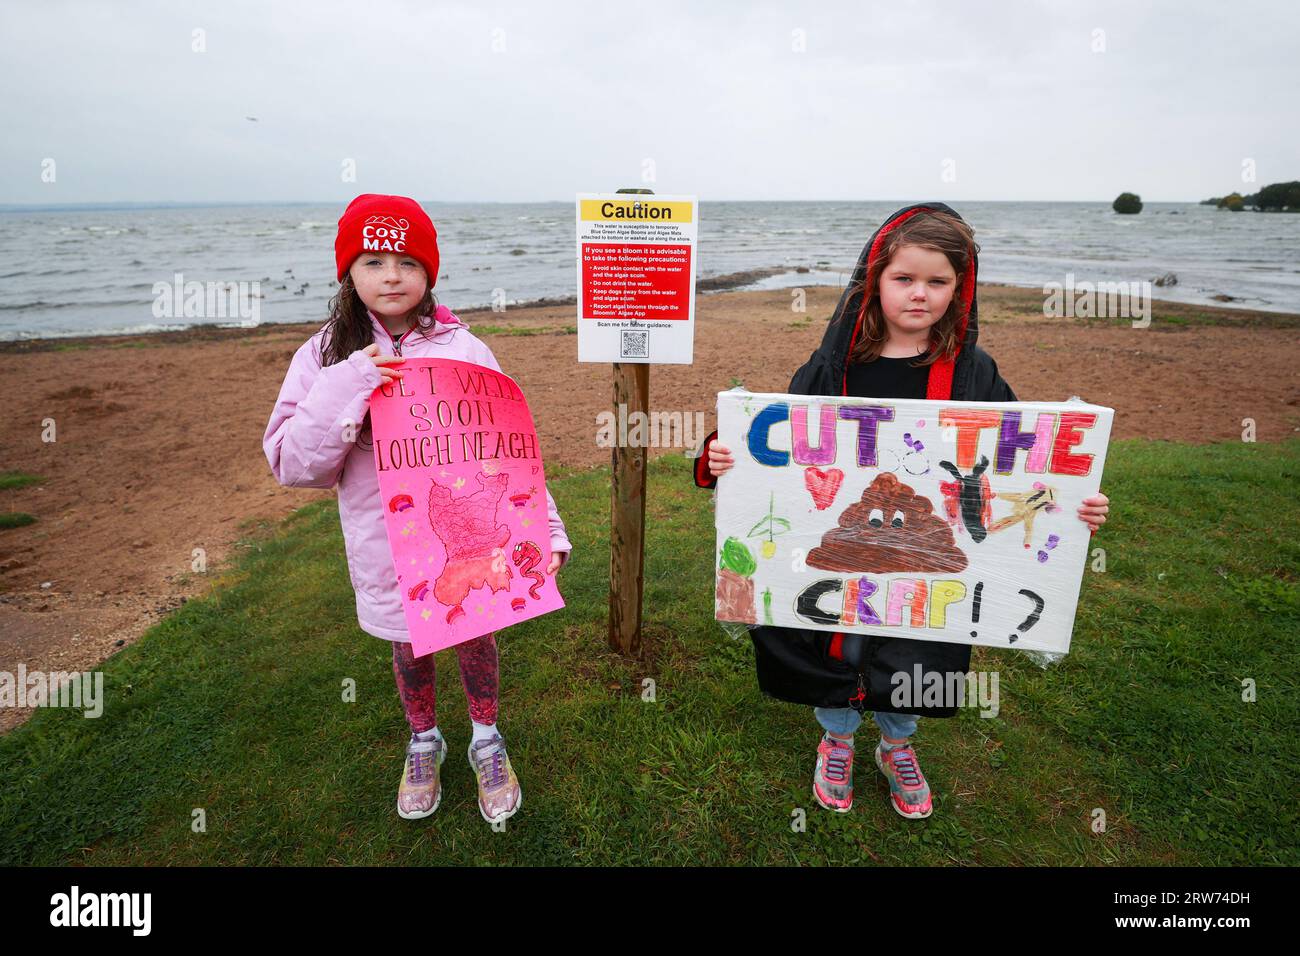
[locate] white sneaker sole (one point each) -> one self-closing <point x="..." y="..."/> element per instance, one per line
<point x="827" y="806"/>
<point x="505" y="816"/>
<point x="421" y="814"/>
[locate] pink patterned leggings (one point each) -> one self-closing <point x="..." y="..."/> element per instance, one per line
<point x="417" y="682"/>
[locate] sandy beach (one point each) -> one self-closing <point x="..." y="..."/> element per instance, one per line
<point x="158" y="447"/>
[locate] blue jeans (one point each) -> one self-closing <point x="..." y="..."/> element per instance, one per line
<point x="845" y="720"/>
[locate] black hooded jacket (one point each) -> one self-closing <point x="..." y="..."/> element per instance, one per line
<point x="813" y="667"/>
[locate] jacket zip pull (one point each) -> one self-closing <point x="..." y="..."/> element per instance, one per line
<point x="857" y="701"/>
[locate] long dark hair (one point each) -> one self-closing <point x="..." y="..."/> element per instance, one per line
<point x="349" y="328"/>
<point x="930" y="230"/>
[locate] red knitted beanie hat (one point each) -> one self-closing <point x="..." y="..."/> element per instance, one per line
<point x="375" y="223"/>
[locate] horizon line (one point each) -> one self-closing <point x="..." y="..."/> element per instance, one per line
<point x="204" y="203"/>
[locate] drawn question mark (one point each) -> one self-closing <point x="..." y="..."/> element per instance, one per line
<point x="1030" y="621"/>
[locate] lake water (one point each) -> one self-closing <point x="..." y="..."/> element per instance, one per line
<point x="87" y="270"/>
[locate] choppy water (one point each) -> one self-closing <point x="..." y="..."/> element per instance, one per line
<point x="93" y="270"/>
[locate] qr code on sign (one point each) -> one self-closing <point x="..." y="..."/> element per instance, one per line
<point x="634" y="344"/>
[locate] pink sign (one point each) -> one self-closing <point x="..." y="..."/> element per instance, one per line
<point x="465" y="504"/>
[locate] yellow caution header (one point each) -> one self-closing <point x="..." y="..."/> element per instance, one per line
<point x="635" y="209"/>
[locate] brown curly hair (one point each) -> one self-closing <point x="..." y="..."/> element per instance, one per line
<point x="935" y="230"/>
<point x="349" y="328"/>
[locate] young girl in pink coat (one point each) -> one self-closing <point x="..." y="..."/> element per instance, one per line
<point x="319" y="437"/>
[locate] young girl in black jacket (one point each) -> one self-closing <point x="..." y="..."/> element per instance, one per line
<point x="905" y="327"/>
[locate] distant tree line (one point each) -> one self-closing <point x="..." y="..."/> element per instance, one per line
<point x="1278" y="197"/>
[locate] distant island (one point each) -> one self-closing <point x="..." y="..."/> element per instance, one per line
<point x="1279" y="197"/>
<point x="1127" y="204"/>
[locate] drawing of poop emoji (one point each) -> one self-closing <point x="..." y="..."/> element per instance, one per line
<point x="891" y="528"/>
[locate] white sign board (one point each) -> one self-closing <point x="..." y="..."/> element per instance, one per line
<point x="636" y="278"/>
<point x="943" y="521"/>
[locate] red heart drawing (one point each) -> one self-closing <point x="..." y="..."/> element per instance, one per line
<point x="823" y="485"/>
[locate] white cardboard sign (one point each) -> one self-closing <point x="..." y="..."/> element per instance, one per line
<point x="942" y="521"/>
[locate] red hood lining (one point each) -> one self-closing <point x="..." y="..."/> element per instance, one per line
<point x="940" y="385"/>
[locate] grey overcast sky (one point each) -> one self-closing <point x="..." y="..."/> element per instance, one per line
<point x="537" y="101"/>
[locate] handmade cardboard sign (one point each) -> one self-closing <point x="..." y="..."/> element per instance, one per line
<point x="942" y="521"/>
<point x="636" y="278"/>
<point x="464" y="498"/>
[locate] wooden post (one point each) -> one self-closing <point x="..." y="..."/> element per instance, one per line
<point x="627" y="513"/>
<point x="627" y="506"/>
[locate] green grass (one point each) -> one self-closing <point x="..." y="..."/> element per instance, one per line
<point x="10" y="480"/>
<point x="234" y="704"/>
<point x="512" y="331"/>
<point x="1165" y="315"/>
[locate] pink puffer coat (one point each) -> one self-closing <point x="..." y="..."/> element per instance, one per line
<point x="307" y="447"/>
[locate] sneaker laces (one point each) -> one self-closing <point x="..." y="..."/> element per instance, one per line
<point x="490" y="762"/>
<point x="835" y="767"/>
<point x="423" y="757"/>
<point x="903" y="760"/>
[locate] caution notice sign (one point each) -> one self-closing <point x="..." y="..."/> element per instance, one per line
<point x="636" y="278"/>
